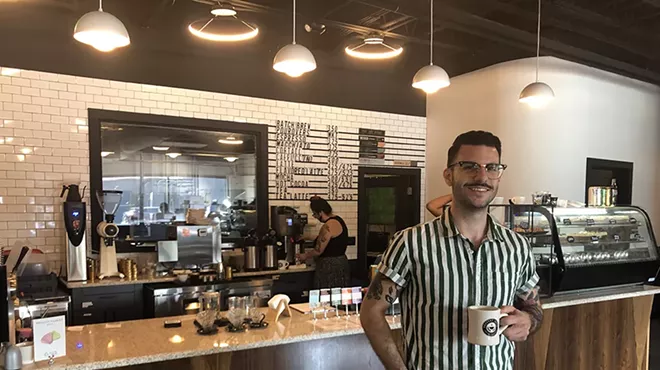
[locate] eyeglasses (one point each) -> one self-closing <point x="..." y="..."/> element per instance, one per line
<point x="493" y="170"/>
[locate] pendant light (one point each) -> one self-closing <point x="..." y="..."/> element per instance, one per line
<point x="230" y="140"/>
<point x="101" y="30"/>
<point x="224" y="26"/>
<point x="373" y="47"/>
<point x="294" y="59"/>
<point x="431" y="78"/>
<point x="537" y="94"/>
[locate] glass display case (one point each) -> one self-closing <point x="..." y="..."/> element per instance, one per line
<point x="583" y="248"/>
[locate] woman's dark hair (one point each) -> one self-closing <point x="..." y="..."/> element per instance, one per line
<point x="473" y="138"/>
<point x="318" y="205"/>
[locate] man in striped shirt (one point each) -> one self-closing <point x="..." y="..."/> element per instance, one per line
<point x="460" y="259"/>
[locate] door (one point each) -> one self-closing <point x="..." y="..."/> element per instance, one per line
<point x="388" y="201"/>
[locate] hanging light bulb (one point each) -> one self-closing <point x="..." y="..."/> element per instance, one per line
<point x="101" y="30"/>
<point x="537" y="94"/>
<point x="294" y="59"/>
<point x="431" y="78"/>
<point x="230" y="140"/>
<point x="224" y="26"/>
<point x="373" y="47"/>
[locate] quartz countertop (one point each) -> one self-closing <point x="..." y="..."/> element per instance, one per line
<point x="598" y="295"/>
<point x="166" y="279"/>
<point x="147" y="341"/>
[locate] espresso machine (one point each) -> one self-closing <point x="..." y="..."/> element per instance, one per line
<point x="108" y="231"/>
<point x="289" y="225"/>
<point x="74" y="222"/>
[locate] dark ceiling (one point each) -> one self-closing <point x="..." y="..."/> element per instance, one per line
<point x="615" y="35"/>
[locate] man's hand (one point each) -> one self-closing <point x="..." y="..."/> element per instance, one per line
<point x="520" y="324"/>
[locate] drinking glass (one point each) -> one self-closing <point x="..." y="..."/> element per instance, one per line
<point x="254" y="313"/>
<point x="237" y="309"/>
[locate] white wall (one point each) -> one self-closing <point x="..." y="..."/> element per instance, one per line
<point x="595" y="114"/>
<point x="45" y="115"/>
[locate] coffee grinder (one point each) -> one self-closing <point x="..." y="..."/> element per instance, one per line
<point x="108" y="231"/>
<point x="74" y="222"/>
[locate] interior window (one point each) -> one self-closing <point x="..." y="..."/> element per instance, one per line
<point x="165" y="172"/>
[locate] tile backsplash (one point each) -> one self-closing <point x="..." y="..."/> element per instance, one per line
<point x="44" y="141"/>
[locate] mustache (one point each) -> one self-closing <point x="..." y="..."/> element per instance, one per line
<point x="482" y="184"/>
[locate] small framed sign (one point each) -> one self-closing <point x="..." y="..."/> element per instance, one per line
<point x="49" y="338"/>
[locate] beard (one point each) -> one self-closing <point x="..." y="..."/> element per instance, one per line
<point x="473" y="195"/>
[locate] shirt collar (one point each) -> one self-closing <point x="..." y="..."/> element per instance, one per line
<point x="450" y="230"/>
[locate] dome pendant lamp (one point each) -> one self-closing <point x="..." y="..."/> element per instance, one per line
<point x="101" y="30"/>
<point x="537" y="94"/>
<point x="431" y="78"/>
<point x="294" y="59"/>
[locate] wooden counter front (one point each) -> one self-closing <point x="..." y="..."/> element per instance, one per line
<point x="607" y="335"/>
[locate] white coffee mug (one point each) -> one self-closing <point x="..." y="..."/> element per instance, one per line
<point x="484" y="325"/>
<point x="282" y="264"/>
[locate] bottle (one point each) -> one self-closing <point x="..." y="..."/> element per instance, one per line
<point x="614" y="192"/>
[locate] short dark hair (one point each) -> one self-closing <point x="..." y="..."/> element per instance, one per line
<point x="318" y="205"/>
<point x="473" y="138"/>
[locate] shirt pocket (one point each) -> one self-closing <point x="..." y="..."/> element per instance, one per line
<point x="503" y="283"/>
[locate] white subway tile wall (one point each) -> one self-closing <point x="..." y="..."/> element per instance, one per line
<point x="44" y="141"/>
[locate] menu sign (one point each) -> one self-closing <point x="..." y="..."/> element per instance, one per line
<point x="301" y="171"/>
<point x="372" y="144"/>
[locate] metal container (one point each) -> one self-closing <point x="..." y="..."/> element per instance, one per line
<point x="270" y="257"/>
<point x="251" y="256"/>
<point x="599" y="196"/>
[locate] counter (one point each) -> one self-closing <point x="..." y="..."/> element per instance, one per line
<point x="115" y="281"/>
<point x="165" y="279"/>
<point x="147" y="341"/>
<point x="605" y="329"/>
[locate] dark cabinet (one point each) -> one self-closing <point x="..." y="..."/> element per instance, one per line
<point x="106" y="304"/>
<point x="296" y="285"/>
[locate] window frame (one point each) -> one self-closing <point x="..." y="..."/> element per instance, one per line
<point x="98" y="116"/>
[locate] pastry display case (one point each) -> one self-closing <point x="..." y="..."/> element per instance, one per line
<point x="584" y="248"/>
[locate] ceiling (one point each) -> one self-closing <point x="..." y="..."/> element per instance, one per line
<point x="615" y="35"/>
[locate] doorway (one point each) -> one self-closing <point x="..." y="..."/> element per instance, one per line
<point x="601" y="172"/>
<point x="388" y="201"/>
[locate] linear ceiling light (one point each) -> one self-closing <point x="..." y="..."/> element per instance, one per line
<point x="294" y="59"/>
<point x="161" y="148"/>
<point x="537" y="94"/>
<point x="230" y="140"/>
<point x="101" y="30"/>
<point x="231" y="159"/>
<point x="431" y="78"/>
<point x="224" y="26"/>
<point x="373" y="48"/>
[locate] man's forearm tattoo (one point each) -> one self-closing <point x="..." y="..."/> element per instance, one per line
<point x="375" y="288"/>
<point x="392" y="293"/>
<point x="532" y="306"/>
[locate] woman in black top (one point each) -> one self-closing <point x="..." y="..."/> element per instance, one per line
<point x="332" y="269"/>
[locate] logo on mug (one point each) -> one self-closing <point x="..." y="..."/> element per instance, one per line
<point x="490" y="327"/>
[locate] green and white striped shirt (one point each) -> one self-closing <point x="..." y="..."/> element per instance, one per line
<point x="442" y="276"/>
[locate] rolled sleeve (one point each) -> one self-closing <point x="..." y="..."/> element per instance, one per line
<point x="529" y="278"/>
<point x="396" y="263"/>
